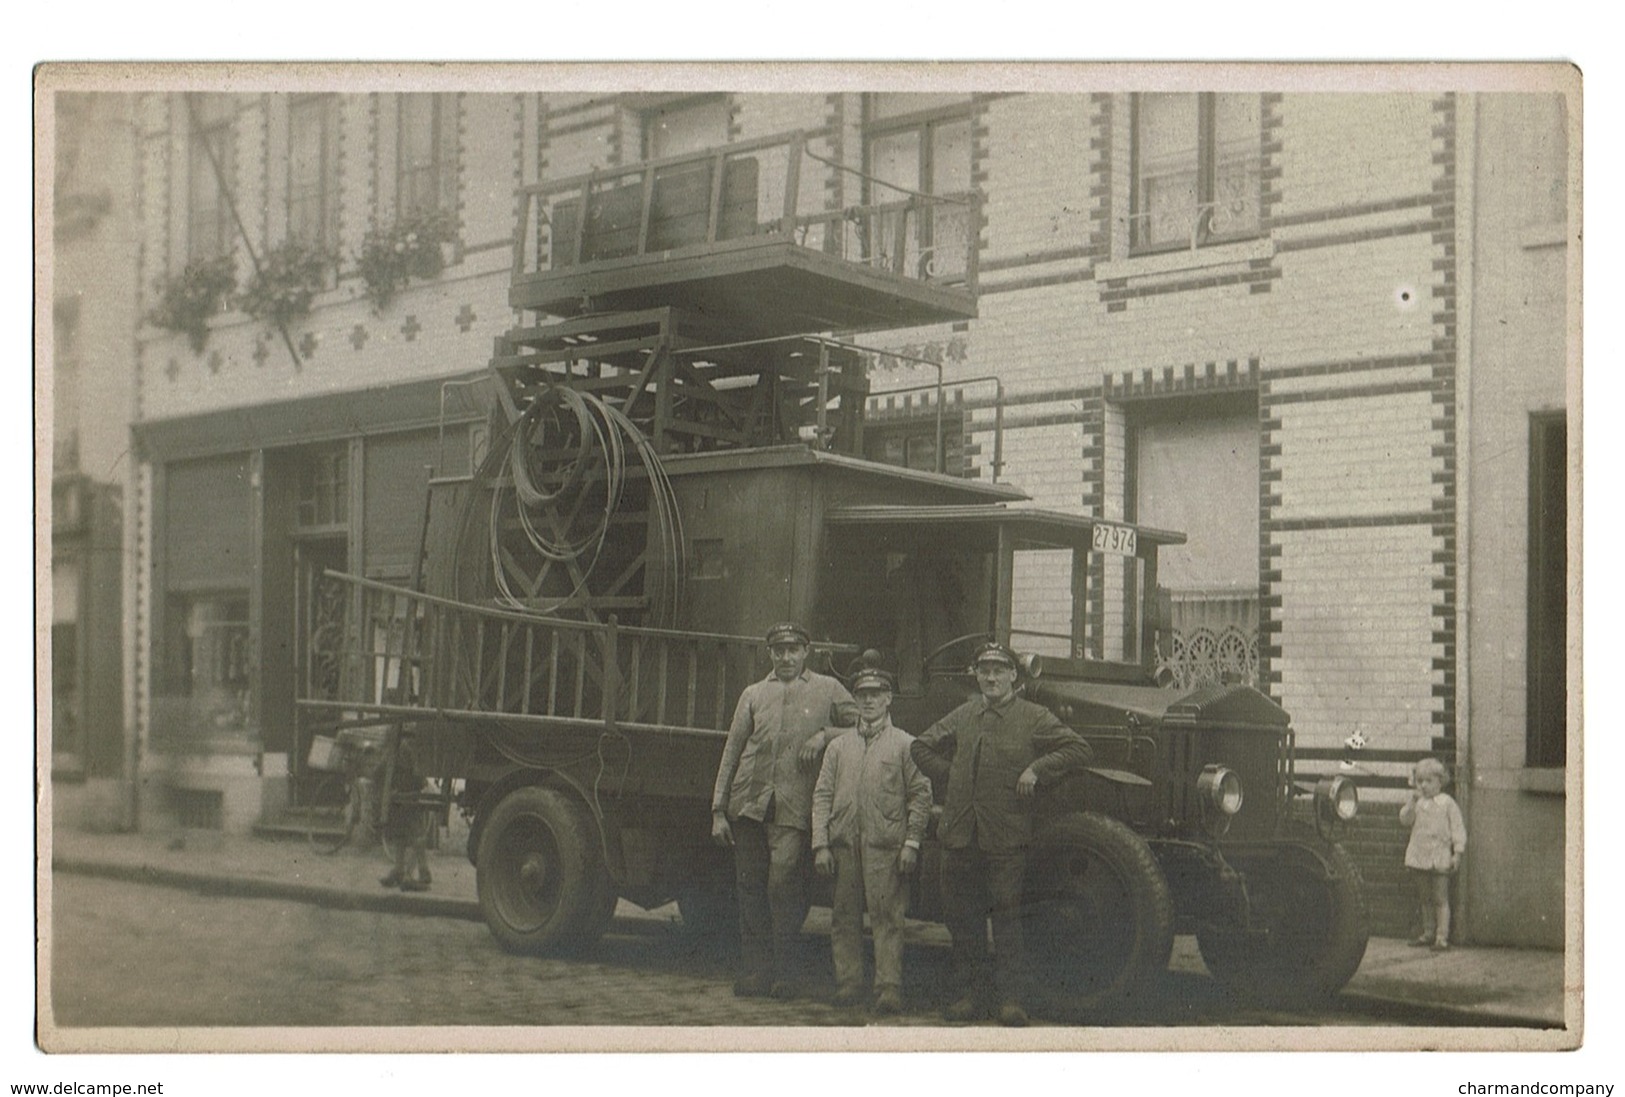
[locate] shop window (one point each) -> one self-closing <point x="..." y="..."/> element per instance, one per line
<point x="209" y="662"/>
<point x="427" y="156"/>
<point x="324" y="490"/>
<point x="210" y="159"/>
<point x="684" y="126"/>
<point x="1197" y="169"/>
<point x="1547" y="645"/>
<point x="313" y="170"/>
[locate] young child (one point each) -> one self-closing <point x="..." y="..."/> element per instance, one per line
<point x="1438" y="839"/>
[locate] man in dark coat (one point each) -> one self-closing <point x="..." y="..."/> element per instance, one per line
<point x="993" y="752"/>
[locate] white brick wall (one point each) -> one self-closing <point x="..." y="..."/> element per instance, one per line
<point x="1044" y="460"/>
<point x="491" y="155"/>
<point x="769" y="114"/>
<point x="1037" y="174"/>
<point x="1355" y="457"/>
<point x="1349" y="301"/>
<point x="1356" y="635"/>
<point x="1343" y="150"/>
<point x="1039" y="621"/>
<point x="579" y="151"/>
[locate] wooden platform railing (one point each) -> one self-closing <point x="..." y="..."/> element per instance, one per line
<point x="767" y="187"/>
<point x="418" y="655"/>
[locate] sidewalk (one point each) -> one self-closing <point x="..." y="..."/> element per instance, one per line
<point x="1487" y="986"/>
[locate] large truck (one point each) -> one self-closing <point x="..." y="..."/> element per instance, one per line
<point x="676" y="462"/>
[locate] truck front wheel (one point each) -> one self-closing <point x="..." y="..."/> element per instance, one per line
<point x="1097" y="917"/>
<point x="1309" y="909"/>
<point x="540" y="874"/>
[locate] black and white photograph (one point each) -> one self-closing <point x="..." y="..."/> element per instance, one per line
<point x="810" y="558"/>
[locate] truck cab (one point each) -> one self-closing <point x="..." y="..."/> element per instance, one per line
<point x="1190" y="818"/>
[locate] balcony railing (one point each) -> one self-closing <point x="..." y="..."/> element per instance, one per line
<point x="1170" y="215"/>
<point x="754" y="190"/>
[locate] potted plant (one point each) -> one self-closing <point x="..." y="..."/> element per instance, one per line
<point x="287" y="281"/>
<point x="394" y="254"/>
<point x="187" y="300"/>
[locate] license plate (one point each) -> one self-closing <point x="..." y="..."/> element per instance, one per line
<point x="1119" y="540"/>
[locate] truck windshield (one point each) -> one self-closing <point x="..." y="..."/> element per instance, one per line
<point x="910" y="596"/>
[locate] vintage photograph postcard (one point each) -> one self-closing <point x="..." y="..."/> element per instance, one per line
<point x="821" y="557"/>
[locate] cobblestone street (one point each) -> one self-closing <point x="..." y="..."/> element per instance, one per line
<point x="128" y="955"/>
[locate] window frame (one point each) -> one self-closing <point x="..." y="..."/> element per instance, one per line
<point x="876" y="127"/>
<point x="183" y="692"/>
<point x="317" y="511"/>
<point x="210" y="117"/>
<point x="1206" y="167"/>
<point x="909" y="430"/>
<point x="326" y="190"/>
<point x="443" y="165"/>
<point x="925" y="123"/>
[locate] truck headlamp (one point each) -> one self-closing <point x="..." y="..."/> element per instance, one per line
<point x="1337" y="799"/>
<point x="1221" y="788"/>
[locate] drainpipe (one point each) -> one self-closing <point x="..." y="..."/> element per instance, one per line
<point x="1466" y="240"/>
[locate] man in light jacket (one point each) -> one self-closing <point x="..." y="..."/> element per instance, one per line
<point x="761" y="805"/>
<point x="869" y="813"/>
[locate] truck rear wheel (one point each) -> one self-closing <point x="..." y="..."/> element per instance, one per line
<point x="1097" y="916"/>
<point x="540" y="874"/>
<point x="1315" y="928"/>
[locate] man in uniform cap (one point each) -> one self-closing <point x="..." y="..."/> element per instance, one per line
<point x="992" y="752"/>
<point x="762" y="804"/>
<point x="869" y="813"/>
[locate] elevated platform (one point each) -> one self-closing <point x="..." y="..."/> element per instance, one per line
<point x="763" y="286"/>
<point x="739" y="234"/>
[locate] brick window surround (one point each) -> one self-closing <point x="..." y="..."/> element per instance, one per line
<point x="1197" y="167"/>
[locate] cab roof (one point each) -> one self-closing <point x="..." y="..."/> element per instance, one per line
<point x="1025" y="525"/>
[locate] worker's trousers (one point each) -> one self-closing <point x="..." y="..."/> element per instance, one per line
<point x="867" y="877"/>
<point x="977" y="885"/>
<point x="770" y="875"/>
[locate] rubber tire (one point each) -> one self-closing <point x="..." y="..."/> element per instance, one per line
<point x="1097" y="916"/>
<point x="540" y="874"/>
<point x="1318" y="931"/>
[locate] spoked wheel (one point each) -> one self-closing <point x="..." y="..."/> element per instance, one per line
<point x="1310" y="902"/>
<point x="539" y="873"/>
<point x="1097" y="918"/>
<point x="329" y="828"/>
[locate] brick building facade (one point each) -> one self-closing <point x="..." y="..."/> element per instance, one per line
<point x="1247" y="316"/>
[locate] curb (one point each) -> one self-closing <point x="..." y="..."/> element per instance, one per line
<point x="251" y="887"/>
<point x="1409" y="1011"/>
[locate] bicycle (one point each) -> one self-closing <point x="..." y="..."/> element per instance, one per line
<point x="355" y="761"/>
